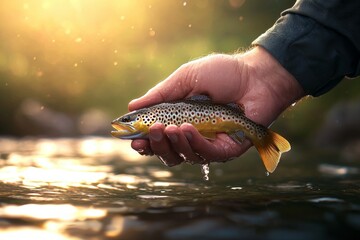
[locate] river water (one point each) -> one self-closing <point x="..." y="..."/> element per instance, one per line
<point x="98" y="188"/>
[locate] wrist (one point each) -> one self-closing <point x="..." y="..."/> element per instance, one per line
<point x="270" y="82"/>
<point x="273" y="73"/>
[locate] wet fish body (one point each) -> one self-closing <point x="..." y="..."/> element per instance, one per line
<point x="209" y="119"/>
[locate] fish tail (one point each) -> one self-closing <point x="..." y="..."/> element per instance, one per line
<point x="270" y="149"/>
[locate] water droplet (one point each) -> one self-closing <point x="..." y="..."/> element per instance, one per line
<point x="293" y="104"/>
<point x="75" y="64"/>
<point x="267" y="173"/>
<point x="151" y="32"/>
<point x="115" y="63"/>
<point x="205" y="169"/>
<point x="122" y="18"/>
<point x="184" y="4"/>
<point x="39" y="73"/>
<point x="189" y="25"/>
<point x="162" y="160"/>
<point x="78" y="40"/>
<point x="182" y="156"/>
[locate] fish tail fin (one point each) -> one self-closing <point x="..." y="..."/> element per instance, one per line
<point x="270" y="149"/>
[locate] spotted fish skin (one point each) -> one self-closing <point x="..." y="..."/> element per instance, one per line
<point x="209" y="119"/>
<point x="206" y="117"/>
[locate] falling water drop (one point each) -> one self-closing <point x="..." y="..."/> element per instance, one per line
<point x="162" y="160"/>
<point x="205" y="169"/>
<point x="267" y="173"/>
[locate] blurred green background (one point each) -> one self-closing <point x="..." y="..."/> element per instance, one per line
<point x="62" y="61"/>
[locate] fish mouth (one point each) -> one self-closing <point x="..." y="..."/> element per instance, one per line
<point x="122" y="126"/>
<point x="124" y="131"/>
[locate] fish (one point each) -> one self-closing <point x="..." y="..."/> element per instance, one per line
<point x="209" y="119"/>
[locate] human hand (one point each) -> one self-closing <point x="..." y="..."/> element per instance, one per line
<point x="253" y="79"/>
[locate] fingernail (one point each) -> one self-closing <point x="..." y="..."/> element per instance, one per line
<point x="156" y="135"/>
<point x="141" y="151"/>
<point x="173" y="138"/>
<point x="188" y="136"/>
<point x="144" y="152"/>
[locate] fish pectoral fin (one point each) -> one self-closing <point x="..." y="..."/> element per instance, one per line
<point x="209" y="135"/>
<point x="238" y="136"/>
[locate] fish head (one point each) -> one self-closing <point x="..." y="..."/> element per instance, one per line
<point x="130" y="125"/>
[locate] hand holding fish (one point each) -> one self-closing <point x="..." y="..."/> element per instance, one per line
<point x="254" y="80"/>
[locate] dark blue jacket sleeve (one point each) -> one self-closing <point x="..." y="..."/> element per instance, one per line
<point x="318" y="42"/>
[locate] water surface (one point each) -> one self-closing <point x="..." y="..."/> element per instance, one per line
<point x="97" y="188"/>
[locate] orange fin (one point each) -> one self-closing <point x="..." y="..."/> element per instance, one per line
<point x="270" y="149"/>
<point x="209" y="135"/>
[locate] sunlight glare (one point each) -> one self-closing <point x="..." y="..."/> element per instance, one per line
<point x="32" y="233"/>
<point x="63" y="212"/>
<point x="115" y="228"/>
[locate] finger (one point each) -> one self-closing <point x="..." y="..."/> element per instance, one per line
<point x="176" y="86"/>
<point x="221" y="149"/>
<point x="181" y="145"/>
<point x="161" y="146"/>
<point x="142" y="146"/>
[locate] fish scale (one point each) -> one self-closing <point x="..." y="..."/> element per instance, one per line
<point x="209" y="119"/>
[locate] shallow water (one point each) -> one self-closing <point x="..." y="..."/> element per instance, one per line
<point x="97" y="188"/>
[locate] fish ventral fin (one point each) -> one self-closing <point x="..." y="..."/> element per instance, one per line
<point x="270" y="148"/>
<point x="237" y="107"/>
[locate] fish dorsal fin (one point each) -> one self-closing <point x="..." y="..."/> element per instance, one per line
<point x="205" y="98"/>
<point x="237" y="107"/>
<point x="199" y="98"/>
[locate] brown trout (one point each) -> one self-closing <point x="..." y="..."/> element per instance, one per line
<point x="209" y="119"/>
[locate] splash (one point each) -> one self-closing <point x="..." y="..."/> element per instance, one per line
<point x="205" y="169"/>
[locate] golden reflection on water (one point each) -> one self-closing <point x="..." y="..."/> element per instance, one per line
<point x="64" y="212"/>
<point x="63" y="162"/>
<point x="56" y="218"/>
<point x="45" y="166"/>
<point x="32" y="233"/>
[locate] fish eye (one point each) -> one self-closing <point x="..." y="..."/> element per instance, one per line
<point x="126" y="119"/>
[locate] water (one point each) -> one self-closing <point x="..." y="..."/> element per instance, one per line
<point x="95" y="188"/>
<point x="205" y="170"/>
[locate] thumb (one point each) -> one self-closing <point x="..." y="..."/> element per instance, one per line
<point x="176" y="86"/>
